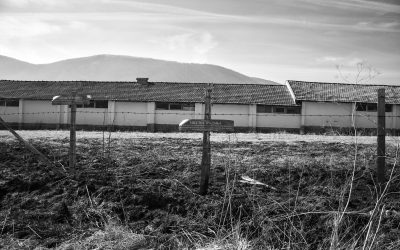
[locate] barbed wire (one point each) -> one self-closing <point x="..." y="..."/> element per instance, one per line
<point x="197" y="114"/>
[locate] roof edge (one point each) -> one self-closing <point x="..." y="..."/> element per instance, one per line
<point x="343" y="83"/>
<point x="290" y="91"/>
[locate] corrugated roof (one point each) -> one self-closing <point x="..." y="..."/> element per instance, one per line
<point x="342" y="92"/>
<point x="155" y="91"/>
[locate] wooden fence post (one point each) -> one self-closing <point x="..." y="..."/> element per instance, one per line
<point x="380" y="161"/>
<point x="72" y="134"/>
<point x="206" y="159"/>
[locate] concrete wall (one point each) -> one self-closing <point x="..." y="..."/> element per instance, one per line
<point x="273" y="120"/>
<point x="238" y="113"/>
<point x="343" y="115"/>
<point x="9" y="114"/>
<point x="326" y="114"/>
<point x="136" y="117"/>
<point x="91" y="116"/>
<point x="172" y="117"/>
<point x="40" y="112"/>
<point x="370" y="120"/>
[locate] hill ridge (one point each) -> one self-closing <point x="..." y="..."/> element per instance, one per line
<point x="108" y="67"/>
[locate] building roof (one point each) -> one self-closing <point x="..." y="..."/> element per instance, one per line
<point x="154" y="91"/>
<point x="342" y="92"/>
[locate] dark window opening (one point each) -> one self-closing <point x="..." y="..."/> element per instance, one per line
<point x="278" y="109"/>
<point x="101" y="104"/>
<point x="188" y="106"/>
<point x="361" y="106"/>
<point x="98" y="104"/>
<point x="264" y="109"/>
<point x="9" y="102"/>
<point x="162" y="105"/>
<point x="293" y="110"/>
<point x="175" y="106"/>
<point x="372" y="107"/>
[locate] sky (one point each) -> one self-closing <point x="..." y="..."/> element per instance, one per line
<point x="310" y="40"/>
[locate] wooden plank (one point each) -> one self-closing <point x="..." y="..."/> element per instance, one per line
<point x="31" y="148"/>
<point x="199" y="125"/>
<point x="380" y="161"/>
<point x="73" y="100"/>
<point x="72" y="138"/>
<point x="206" y="159"/>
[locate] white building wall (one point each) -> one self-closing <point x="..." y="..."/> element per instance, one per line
<point x="91" y="116"/>
<point x="273" y="120"/>
<point x="236" y="112"/>
<point x="40" y="112"/>
<point x="130" y="114"/>
<point x="111" y="112"/>
<point x="370" y="120"/>
<point x="9" y="114"/>
<point x="172" y="117"/>
<point x="252" y="116"/>
<point x="199" y="110"/>
<point x="325" y="114"/>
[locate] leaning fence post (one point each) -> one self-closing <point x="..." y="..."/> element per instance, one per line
<point x="31" y="148"/>
<point x="380" y="161"/>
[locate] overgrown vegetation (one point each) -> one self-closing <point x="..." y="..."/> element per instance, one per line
<point x="141" y="193"/>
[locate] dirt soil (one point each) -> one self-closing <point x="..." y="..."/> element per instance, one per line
<point x="149" y="187"/>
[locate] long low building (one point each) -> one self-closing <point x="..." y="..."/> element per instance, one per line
<point x="343" y="107"/>
<point x="161" y="106"/>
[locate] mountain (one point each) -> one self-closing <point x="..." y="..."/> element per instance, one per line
<point x="121" y="68"/>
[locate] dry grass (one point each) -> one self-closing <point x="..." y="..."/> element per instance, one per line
<point x="216" y="137"/>
<point x="145" y="185"/>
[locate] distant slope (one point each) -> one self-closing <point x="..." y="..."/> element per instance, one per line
<point x="121" y="68"/>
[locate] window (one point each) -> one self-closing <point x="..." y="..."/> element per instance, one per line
<point x="278" y="109"/>
<point x="162" y="105"/>
<point x="361" y="106"/>
<point x="372" y="107"/>
<point x="175" y="106"/>
<point x="188" y="106"/>
<point x="101" y="104"/>
<point x="98" y="104"/>
<point x="9" y="102"/>
<point x="293" y="110"/>
<point x="264" y="109"/>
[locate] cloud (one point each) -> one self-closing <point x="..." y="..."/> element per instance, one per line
<point x="340" y="60"/>
<point x="12" y="27"/>
<point x="195" y="45"/>
<point x="31" y="5"/>
<point x="375" y="6"/>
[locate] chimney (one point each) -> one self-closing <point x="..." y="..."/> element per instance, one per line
<point x="142" y="81"/>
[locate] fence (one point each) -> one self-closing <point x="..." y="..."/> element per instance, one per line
<point x="168" y="121"/>
<point x="156" y="171"/>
